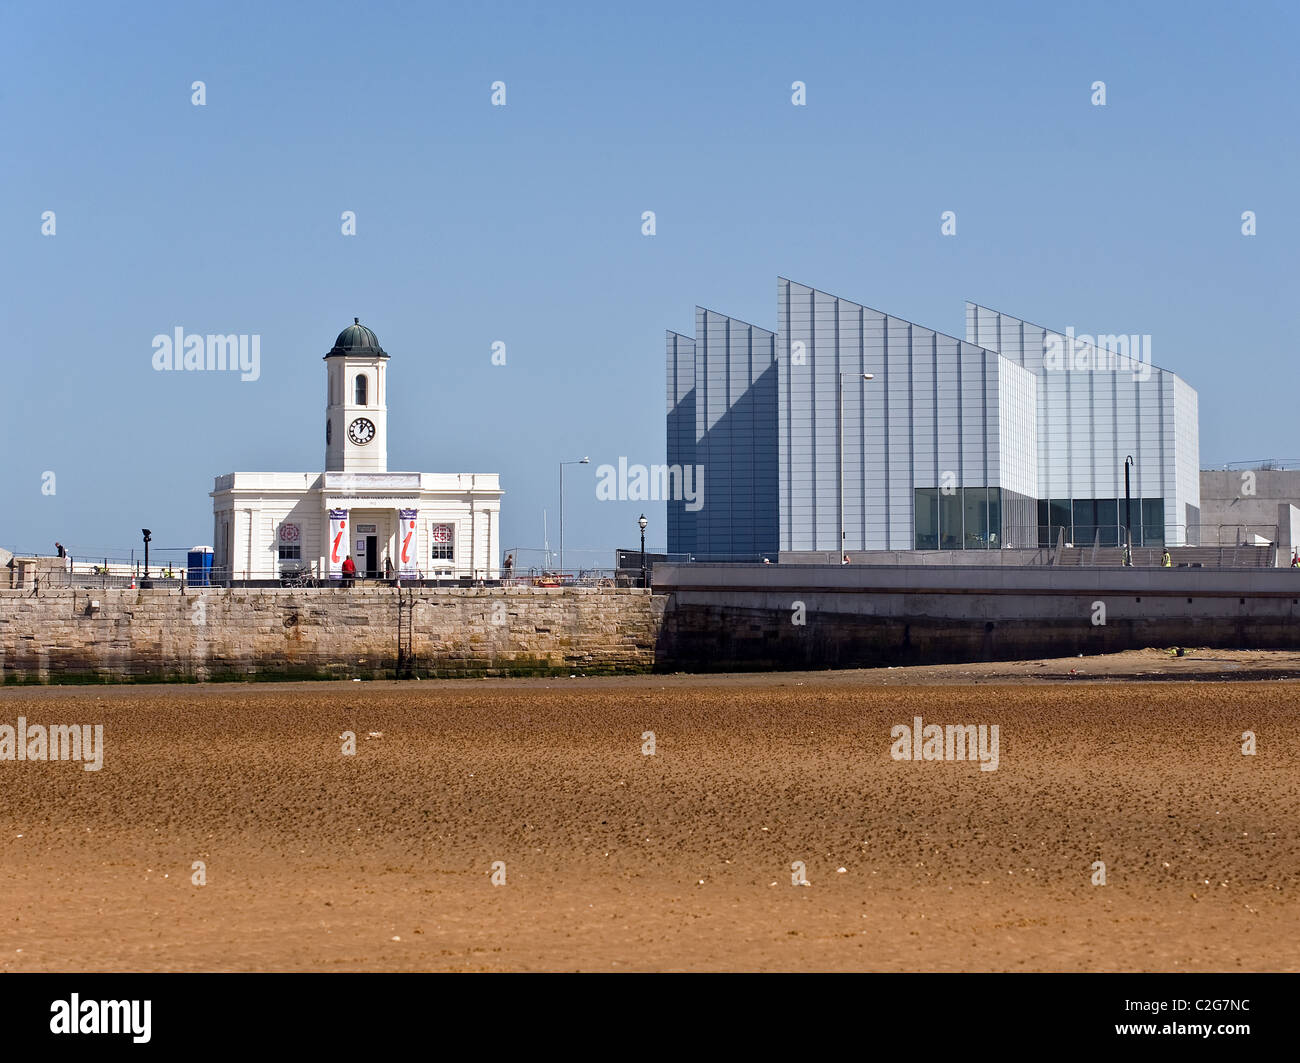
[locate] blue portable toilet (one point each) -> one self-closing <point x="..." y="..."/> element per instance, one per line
<point x="199" y="563"/>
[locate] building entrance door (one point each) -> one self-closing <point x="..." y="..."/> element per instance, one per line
<point x="372" y="557"/>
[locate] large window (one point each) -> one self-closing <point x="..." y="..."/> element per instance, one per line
<point x="964" y="518"/>
<point x="360" y="390"/>
<point x="1085" y="521"/>
<point x="1100" y="520"/>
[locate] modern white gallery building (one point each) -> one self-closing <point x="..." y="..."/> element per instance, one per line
<point x="413" y="524"/>
<point x="1016" y="436"/>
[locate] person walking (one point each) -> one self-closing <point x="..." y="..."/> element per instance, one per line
<point x="388" y="568"/>
<point x="1165" y="560"/>
<point x="349" y="571"/>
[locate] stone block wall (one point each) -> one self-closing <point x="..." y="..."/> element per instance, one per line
<point x="75" y="635"/>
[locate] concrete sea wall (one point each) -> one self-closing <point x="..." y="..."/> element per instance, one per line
<point x="753" y="617"/>
<point x="71" y="635"/>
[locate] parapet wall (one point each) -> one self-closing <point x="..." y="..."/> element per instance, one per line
<point x="166" y="635"/>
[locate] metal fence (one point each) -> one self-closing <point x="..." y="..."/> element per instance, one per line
<point x="34" y="572"/>
<point x="1263" y="465"/>
<point x="101" y="580"/>
<point x="1108" y="535"/>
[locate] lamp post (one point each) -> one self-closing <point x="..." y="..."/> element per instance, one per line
<point x="576" y="461"/>
<point x="642" y="522"/>
<point x="148" y="536"/>
<point x="1128" y="515"/>
<point x="839" y="401"/>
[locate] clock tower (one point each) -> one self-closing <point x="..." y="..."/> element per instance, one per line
<point x="356" y="415"/>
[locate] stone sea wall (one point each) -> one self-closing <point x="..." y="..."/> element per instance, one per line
<point x="161" y="635"/>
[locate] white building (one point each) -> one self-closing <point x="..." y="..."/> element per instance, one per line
<point x="851" y="429"/>
<point x="425" y="525"/>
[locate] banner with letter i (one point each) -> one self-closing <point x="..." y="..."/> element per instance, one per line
<point x="338" y="542"/>
<point x="407" y="569"/>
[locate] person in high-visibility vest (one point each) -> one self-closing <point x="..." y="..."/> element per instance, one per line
<point x="1166" y="560"/>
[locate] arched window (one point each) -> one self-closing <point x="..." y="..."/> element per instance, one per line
<point x="361" y="390"/>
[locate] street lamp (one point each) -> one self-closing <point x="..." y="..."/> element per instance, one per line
<point x="839" y="400"/>
<point x="642" y="522"/>
<point x="1128" y="515"/>
<point x="577" y="461"/>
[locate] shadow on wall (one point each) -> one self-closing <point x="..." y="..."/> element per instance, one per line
<point x="709" y="638"/>
<point x="739" y="519"/>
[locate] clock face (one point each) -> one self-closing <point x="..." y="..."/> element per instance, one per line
<point x="361" y="431"/>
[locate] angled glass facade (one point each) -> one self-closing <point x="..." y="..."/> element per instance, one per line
<point x="1098" y="405"/>
<point x="974" y="444"/>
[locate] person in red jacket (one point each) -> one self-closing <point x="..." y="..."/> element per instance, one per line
<point x="349" y="571"/>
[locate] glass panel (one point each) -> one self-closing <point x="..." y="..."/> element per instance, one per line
<point x="950" y="520"/>
<point x="1108" y="521"/>
<point x="975" y="505"/>
<point x="1044" y="530"/>
<point x="927" y="518"/>
<point x="1085" y="521"/>
<point x="1153" y="521"/>
<point x="1059" y="510"/>
<point x="995" y="518"/>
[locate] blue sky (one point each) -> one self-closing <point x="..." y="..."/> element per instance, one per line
<point x="523" y="223"/>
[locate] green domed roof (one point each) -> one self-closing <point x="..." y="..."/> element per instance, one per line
<point x="357" y="340"/>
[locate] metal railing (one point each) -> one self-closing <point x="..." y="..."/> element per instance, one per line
<point x="583" y="577"/>
<point x="1263" y="465"/>
<point x="1107" y="535"/>
<point x="33" y="572"/>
